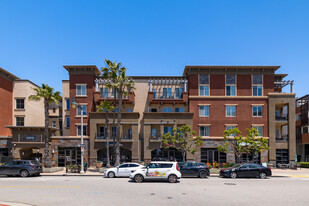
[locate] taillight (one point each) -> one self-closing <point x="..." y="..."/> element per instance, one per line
<point x="270" y="168"/>
<point x="32" y="166"/>
<point x="177" y="167"/>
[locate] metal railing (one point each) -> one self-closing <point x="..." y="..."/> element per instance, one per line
<point x="283" y="138"/>
<point x="167" y="95"/>
<point x="110" y="95"/>
<point x="281" y="117"/>
<point x="100" y="135"/>
<point x="128" y="136"/>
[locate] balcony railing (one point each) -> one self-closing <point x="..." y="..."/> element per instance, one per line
<point x="167" y="95"/>
<point x="283" y="138"/>
<point x="127" y="136"/>
<point x="102" y="136"/>
<point x="281" y="117"/>
<point x="155" y="137"/>
<point x="110" y="95"/>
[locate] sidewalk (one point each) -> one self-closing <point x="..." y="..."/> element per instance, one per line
<point x="63" y="173"/>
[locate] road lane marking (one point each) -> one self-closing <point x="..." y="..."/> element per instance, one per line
<point x="40" y="186"/>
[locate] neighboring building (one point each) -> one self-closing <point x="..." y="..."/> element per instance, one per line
<point x="208" y="98"/>
<point x="302" y="128"/>
<point x="23" y="123"/>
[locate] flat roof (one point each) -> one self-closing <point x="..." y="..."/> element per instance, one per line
<point x="93" y="68"/>
<point x="8" y="74"/>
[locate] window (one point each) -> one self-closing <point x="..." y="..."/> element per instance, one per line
<point x="67" y="104"/>
<point x="260" y="130"/>
<point x="204" y="85"/>
<point x="257" y="111"/>
<point x="212" y="155"/>
<point x="204" y="111"/>
<point x="179" y="109"/>
<point x="204" y="131"/>
<point x="230" y="111"/>
<point x="167" y="92"/>
<point x="124" y="165"/>
<point x="231" y="127"/>
<point x="54" y="110"/>
<point x="167" y="109"/>
<point x="153" y="109"/>
<point x="178" y="93"/>
<point x="79" y="110"/>
<point x="68" y="122"/>
<point x="154" y="133"/>
<point x="20" y="103"/>
<point x="168" y="130"/>
<point x="230" y="82"/>
<point x="114" y="132"/>
<point x="130" y="110"/>
<point x="54" y="124"/>
<point x="20" y="121"/>
<point x="154" y="93"/>
<point x="282" y="156"/>
<point x="104" y="92"/>
<point x="257" y="85"/>
<point x="79" y="130"/>
<point x="81" y="90"/>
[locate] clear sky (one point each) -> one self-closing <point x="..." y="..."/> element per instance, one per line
<point x="153" y="37"/>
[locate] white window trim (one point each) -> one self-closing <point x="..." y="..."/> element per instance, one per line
<point x="230" y="106"/>
<point x="16" y="98"/>
<point x="82" y="104"/>
<point x="78" y="95"/>
<point x="257" y="106"/>
<point x="200" y="108"/>
<point x="230" y="85"/>
<point x="257" y="84"/>
<point x="204" y="85"/>
<point x="84" y="125"/>
<point x="204" y="125"/>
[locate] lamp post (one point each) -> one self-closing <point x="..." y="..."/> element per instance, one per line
<point x="74" y="105"/>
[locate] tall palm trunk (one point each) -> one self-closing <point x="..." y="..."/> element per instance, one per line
<point x="107" y="140"/>
<point x="118" y="129"/>
<point x="46" y="134"/>
<point x="113" y="133"/>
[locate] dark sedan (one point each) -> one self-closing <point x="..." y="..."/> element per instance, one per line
<point x="246" y="170"/>
<point x="194" y="169"/>
<point x="23" y="168"/>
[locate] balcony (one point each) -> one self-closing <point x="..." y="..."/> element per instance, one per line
<point x="167" y="97"/>
<point x="109" y="96"/>
<point x="100" y="136"/>
<point x="282" y="117"/>
<point x="282" y="138"/>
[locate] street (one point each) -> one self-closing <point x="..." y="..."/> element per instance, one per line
<point x="96" y="190"/>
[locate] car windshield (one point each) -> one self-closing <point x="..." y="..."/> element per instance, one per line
<point x="237" y="165"/>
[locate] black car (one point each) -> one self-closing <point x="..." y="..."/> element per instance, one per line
<point x="23" y="168"/>
<point x="194" y="169"/>
<point x="246" y="170"/>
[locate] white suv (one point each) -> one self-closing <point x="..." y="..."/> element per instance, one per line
<point x="157" y="170"/>
<point x="123" y="170"/>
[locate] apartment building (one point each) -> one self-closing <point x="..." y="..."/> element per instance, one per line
<point x="208" y="98"/>
<point x="302" y="126"/>
<point x="22" y="125"/>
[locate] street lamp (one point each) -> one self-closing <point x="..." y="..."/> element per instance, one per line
<point x="74" y="105"/>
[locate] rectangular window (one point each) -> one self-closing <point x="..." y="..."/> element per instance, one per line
<point x="230" y="82"/>
<point x="168" y="130"/>
<point x="54" y="124"/>
<point x="104" y="92"/>
<point x="114" y="132"/>
<point x="79" y="110"/>
<point x="67" y="104"/>
<point x="204" y="85"/>
<point x="130" y="110"/>
<point x="204" y="131"/>
<point x="257" y="85"/>
<point x="231" y="127"/>
<point x="154" y="133"/>
<point x="230" y="111"/>
<point x="81" y="90"/>
<point x="153" y="110"/>
<point x="20" y="103"/>
<point x="154" y="93"/>
<point x="54" y="110"/>
<point x="68" y="122"/>
<point x="167" y="109"/>
<point x="204" y="111"/>
<point x="282" y="156"/>
<point x="178" y="93"/>
<point x="20" y="121"/>
<point x="179" y="109"/>
<point x="260" y="130"/>
<point x="257" y="111"/>
<point x="167" y="92"/>
<point x="79" y="130"/>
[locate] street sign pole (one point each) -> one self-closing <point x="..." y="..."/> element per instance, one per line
<point x="82" y="140"/>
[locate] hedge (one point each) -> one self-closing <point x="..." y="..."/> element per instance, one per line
<point x="303" y="164"/>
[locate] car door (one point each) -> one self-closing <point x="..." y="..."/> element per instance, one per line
<point x="1" y="169"/>
<point x="130" y="168"/>
<point x="8" y="168"/>
<point x="184" y="169"/>
<point x="165" y="169"/>
<point x="154" y="171"/>
<point x="122" y="170"/>
<point x="253" y="170"/>
<point x="243" y="171"/>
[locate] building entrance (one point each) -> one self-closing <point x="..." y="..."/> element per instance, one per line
<point x="69" y="156"/>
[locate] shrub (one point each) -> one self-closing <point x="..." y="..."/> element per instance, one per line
<point x="303" y="164"/>
<point x="229" y="165"/>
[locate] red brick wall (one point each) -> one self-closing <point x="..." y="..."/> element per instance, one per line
<point x="217" y="85"/>
<point x="193" y="85"/>
<point x="244" y="85"/>
<point x="81" y="79"/>
<point x="6" y="106"/>
<point x="268" y="84"/>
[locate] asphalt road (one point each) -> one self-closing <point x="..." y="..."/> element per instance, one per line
<point x="96" y="190"/>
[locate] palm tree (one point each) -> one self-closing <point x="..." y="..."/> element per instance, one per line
<point x="106" y="107"/>
<point x="49" y="96"/>
<point x="116" y="78"/>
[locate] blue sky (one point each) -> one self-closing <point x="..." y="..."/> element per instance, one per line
<point x="153" y="37"/>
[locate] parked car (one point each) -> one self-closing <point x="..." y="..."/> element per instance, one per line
<point x="194" y="169"/>
<point x="23" y="168"/>
<point x="122" y="170"/>
<point x="157" y="171"/>
<point x="246" y="170"/>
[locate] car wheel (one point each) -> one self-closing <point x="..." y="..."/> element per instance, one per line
<point x="233" y="175"/>
<point x="138" y="178"/>
<point x="172" y="178"/>
<point x="111" y="174"/>
<point x="24" y="173"/>
<point x="262" y="175"/>
<point x="202" y="174"/>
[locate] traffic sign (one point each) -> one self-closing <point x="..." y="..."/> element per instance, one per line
<point x="81" y="145"/>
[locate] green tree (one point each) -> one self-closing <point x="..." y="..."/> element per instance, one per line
<point x="106" y="107"/>
<point x="254" y="143"/>
<point x="49" y="96"/>
<point x="116" y="78"/>
<point x="183" y="140"/>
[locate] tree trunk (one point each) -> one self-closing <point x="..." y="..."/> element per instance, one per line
<point x="247" y="157"/>
<point x="113" y="134"/>
<point x="183" y="157"/>
<point x="117" y="162"/>
<point x="46" y="134"/>
<point x="108" y="164"/>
